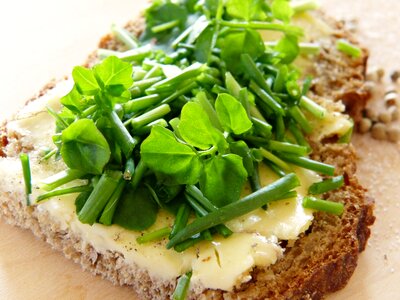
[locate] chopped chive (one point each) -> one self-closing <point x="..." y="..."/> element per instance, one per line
<point x="305" y="48"/>
<point x="179" y="93"/>
<point x="288" y="148"/>
<point x="154" y="72"/>
<point x="288" y="29"/>
<point x="146" y="83"/>
<point x="348" y="48"/>
<point x="304" y="5"/>
<point x="60" y="121"/>
<point x="244" y="99"/>
<point x="190" y="242"/>
<point x="326" y="185"/>
<point x="49" y="154"/>
<point x="150" y="116"/>
<point x="140" y="170"/>
<point x="154" y="236"/>
<point x="65" y="191"/>
<point x="315" y="109"/>
<point x="124" y="36"/>
<point x="299" y="117"/>
<point x="197" y="200"/>
<point x="253" y="72"/>
<point x="269" y="193"/>
<point x="280" y="128"/>
<point x="331" y="207"/>
<point x="278" y="171"/>
<point x="147" y="128"/>
<point x="60" y="178"/>
<point x="135" y="55"/>
<point x="165" y="26"/>
<point x="346" y="138"/>
<point x="274" y="159"/>
<point x="267" y="99"/>
<point x="181" y="219"/>
<point x="104" y="53"/>
<point x="108" y="212"/>
<point x="26" y="170"/>
<point x="308" y="163"/>
<point x="310" y="48"/>
<point x="99" y="197"/>
<point x="255" y="182"/>
<point x="190" y="72"/>
<point x="122" y="135"/>
<point x="298" y="135"/>
<point x="129" y="169"/>
<point x="262" y="127"/>
<point x="141" y="103"/>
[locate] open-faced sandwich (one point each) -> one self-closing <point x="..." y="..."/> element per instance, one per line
<point x="202" y="152"/>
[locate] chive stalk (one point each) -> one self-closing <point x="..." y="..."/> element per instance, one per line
<point x="300" y="118"/>
<point x="274" y="159"/>
<point x="288" y="29"/>
<point x="331" y="207"/>
<point x="60" y="179"/>
<point x="65" y="191"/>
<point x="181" y="219"/>
<point x="288" y="148"/>
<point x="326" y="185"/>
<point x="147" y="128"/>
<point x="304" y="5"/>
<point x="124" y="36"/>
<point x="165" y="26"/>
<point x="315" y="109"/>
<point x="99" y="197"/>
<point x="109" y="210"/>
<point x="154" y="235"/>
<point x="26" y="170"/>
<point x="122" y="135"/>
<point x="142" y="103"/>
<point x="267" y="98"/>
<point x="267" y="194"/>
<point x="150" y="116"/>
<point x="308" y="163"/>
<point x="348" y="48"/>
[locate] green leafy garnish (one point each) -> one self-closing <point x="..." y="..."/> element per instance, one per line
<point x="184" y="118"/>
<point x="84" y="147"/>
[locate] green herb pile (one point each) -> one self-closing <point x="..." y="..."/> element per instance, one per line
<point x="184" y="118"/>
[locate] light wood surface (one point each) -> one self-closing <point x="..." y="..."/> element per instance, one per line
<point x="43" y="39"/>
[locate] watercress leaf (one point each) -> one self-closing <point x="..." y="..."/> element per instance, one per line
<point x="288" y="49"/>
<point x="197" y="29"/>
<point x="232" y="115"/>
<point x="114" y="72"/>
<point x="85" y="81"/>
<point x="282" y="10"/>
<point x="223" y="179"/>
<point x="196" y="128"/>
<point x="161" y="152"/>
<point x="210" y="7"/>
<point x="84" y="147"/>
<point x="250" y="10"/>
<point x="204" y="45"/>
<point x="240" y="148"/>
<point x="136" y="209"/>
<point x="162" y="12"/>
<point x="74" y="101"/>
<point x="235" y="43"/>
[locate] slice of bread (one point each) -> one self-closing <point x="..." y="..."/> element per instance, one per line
<point x="321" y="261"/>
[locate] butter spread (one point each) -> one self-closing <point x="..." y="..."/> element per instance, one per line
<point x="221" y="264"/>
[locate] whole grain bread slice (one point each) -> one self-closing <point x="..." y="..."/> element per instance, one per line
<point x="321" y="261"/>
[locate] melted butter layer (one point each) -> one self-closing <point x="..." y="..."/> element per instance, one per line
<point x="220" y="264"/>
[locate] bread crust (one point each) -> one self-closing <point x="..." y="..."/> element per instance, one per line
<point x="321" y="261"/>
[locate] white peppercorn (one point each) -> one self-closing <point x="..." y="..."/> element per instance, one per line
<point x="378" y="131"/>
<point x="365" y="125"/>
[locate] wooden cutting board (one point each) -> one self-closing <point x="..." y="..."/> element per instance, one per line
<point x="43" y="39"/>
